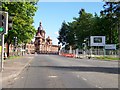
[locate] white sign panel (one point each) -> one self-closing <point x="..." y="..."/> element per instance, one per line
<point x="110" y="46"/>
<point x="97" y="41"/>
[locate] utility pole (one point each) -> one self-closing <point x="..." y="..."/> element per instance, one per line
<point x="2" y="53"/>
<point x="118" y="28"/>
<point x="1" y="65"/>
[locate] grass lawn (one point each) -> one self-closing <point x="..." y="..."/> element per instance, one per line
<point x="13" y="57"/>
<point x="108" y="58"/>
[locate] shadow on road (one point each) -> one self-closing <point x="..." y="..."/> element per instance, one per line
<point x="111" y="70"/>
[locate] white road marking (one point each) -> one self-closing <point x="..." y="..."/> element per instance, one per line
<point x="22" y="77"/>
<point x="30" y="57"/>
<point x="84" y="78"/>
<point x="98" y="86"/>
<point x="15" y="78"/>
<point x="78" y="76"/>
<point x="52" y="76"/>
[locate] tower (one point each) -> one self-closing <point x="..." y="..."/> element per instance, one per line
<point x="39" y="38"/>
<point x="42" y="44"/>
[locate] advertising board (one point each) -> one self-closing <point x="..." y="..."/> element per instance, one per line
<point x="97" y="41"/>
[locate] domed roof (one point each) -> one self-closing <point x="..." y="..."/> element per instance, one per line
<point x="48" y="39"/>
<point x="40" y="28"/>
<point x="38" y="35"/>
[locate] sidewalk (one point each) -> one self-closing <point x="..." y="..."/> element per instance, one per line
<point x="13" y="68"/>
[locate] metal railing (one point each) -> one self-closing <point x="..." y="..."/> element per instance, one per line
<point x="93" y="52"/>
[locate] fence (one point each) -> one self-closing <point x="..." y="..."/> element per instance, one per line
<point x="93" y="52"/>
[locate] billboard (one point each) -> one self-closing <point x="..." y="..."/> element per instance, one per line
<point x="97" y="41"/>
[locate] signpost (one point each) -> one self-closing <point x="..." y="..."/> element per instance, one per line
<point x="1" y="53"/>
<point x="98" y="41"/>
<point x="3" y="30"/>
<point x="2" y="49"/>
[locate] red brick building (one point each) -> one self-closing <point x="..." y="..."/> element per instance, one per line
<point x="30" y="48"/>
<point x="42" y="44"/>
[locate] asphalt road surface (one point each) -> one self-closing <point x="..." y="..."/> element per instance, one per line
<point x="53" y="71"/>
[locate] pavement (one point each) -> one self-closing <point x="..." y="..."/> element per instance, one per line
<point x="12" y="68"/>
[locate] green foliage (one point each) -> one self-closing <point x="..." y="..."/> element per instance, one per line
<point x="107" y="58"/>
<point x="110" y="13"/>
<point x="63" y="33"/>
<point x="86" y="25"/>
<point x="67" y="34"/>
<point x="22" y="13"/>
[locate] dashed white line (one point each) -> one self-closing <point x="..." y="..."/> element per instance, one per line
<point x="84" y="78"/>
<point x="52" y="76"/>
<point x="98" y="86"/>
<point x="22" y="77"/>
<point x="15" y="78"/>
<point x="78" y="76"/>
<point x="30" y="57"/>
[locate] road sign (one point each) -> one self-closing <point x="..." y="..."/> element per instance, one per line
<point x="110" y="46"/>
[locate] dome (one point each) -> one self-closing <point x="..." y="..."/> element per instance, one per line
<point x="38" y="35"/>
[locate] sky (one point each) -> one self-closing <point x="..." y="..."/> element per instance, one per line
<point x="52" y="14"/>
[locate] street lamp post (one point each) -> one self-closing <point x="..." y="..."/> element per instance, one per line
<point x="76" y="47"/>
<point x="15" y="44"/>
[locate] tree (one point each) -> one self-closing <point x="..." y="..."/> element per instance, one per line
<point x="74" y="33"/>
<point x="22" y="21"/>
<point x="63" y="33"/>
<point x="67" y="34"/>
<point x="112" y="14"/>
<point x="84" y="26"/>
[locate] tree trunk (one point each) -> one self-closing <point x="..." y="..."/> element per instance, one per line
<point x="8" y="44"/>
<point x="70" y="51"/>
<point x="25" y="46"/>
<point x="119" y="36"/>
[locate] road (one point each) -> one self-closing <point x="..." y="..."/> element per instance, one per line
<point x="53" y="71"/>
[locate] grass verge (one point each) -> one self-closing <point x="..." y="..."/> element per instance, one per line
<point x="13" y="57"/>
<point x="108" y="58"/>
